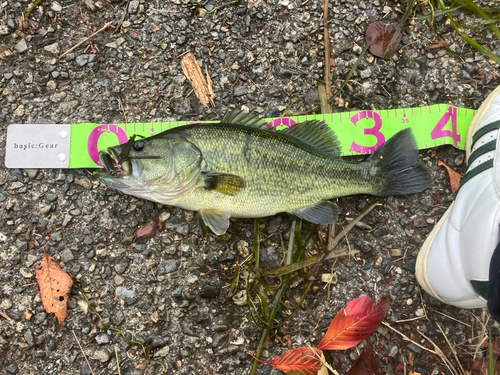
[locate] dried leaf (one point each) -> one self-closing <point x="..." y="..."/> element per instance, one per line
<point x="438" y="44"/>
<point x="300" y="361"/>
<point x="193" y="72"/>
<point x="455" y="176"/>
<point x="378" y="37"/>
<point x="366" y="363"/>
<point x="55" y="286"/>
<point x="355" y="323"/>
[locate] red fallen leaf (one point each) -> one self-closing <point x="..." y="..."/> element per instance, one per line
<point x="55" y="286"/>
<point x="355" y="323"/>
<point x="378" y="37"/>
<point x="147" y="231"/>
<point x="300" y="361"/>
<point x="438" y="44"/>
<point x="366" y="364"/>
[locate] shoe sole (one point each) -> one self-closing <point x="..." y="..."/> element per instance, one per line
<point x="423" y="255"/>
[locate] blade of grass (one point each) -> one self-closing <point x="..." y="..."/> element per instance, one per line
<point x="483" y="15"/>
<point x="396" y="37"/>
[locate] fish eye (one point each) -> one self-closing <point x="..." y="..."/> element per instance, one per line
<point x="139" y="146"/>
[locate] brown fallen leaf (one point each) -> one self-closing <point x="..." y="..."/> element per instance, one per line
<point x="202" y="89"/>
<point x="455" y="176"/>
<point x="438" y="44"/>
<point x="55" y="286"/>
<point x="378" y="37"/>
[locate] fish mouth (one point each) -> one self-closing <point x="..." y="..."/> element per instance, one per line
<point x="112" y="164"/>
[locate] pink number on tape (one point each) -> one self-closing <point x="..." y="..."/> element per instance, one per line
<point x="94" y="136"/>
<point x="439" y="132"/>
<point x="375" y="131"/>
<point x="282" y="121"/>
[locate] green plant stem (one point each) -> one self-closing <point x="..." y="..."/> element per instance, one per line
<point x="276" y="303"/>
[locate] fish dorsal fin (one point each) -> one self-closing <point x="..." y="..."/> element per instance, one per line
<point x="246" y="119"/>
<point x="317" y="136"/>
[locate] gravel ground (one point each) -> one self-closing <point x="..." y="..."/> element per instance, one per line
<point x="169" y="292"/>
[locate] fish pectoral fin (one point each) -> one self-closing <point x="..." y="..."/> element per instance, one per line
<point x="217" y="220"/>
<point x="223" y="183"/>
<point x="324" y="213"/>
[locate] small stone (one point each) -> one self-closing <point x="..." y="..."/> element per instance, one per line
<point x="209" y="291"/>
<point x="84" y="182"/>
<point x="133" y="6"/>
<point x="181" y="40"/>
<point x="22" y="245"/>
<point x="12" y="369"/>
<point x="123" y="292"/>
<point x="182" y="23"/>
<point x="147" y="231"/>
<point x="82" y="60"/>
<point x="119" y="280"/>
<point x="67" y="256"/>
<point x="85" y="369"/>
<point x="67" y="219"/>
<point x="21" y="46"/>
<point x="242" y="247"/>
<point x="19" y="112"/>
<point x="120" y="268"/>
<point x="164" y="216"/>
<point x="239" y="91"/>
<point x="4" y="30"/>
<point x="28" y="336"/>
<point x="102" y="338"/>
<point x="419" y="222"/>
<point x="52" y="48"/>
<point x="241" y="11"/>
<point x="171" y="265"/>
<point x="274" y="92"/>
<point x="45" y="209"/>
<point x="6" y="304"/>
<point x="283" y="72"/>
<point x="55" y="6"/>
<point x="101" y="355"/>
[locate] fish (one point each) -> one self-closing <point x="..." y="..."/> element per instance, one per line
<point x="240" y="167"/>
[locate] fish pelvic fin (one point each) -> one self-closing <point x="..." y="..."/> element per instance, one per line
<point x="397" y="163"/>
<point x="324" y="213"/>
<point x="223" y="183"/>
<point x="217" y="220"/>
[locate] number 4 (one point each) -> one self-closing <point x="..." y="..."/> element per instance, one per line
<point x="439" y="132"/>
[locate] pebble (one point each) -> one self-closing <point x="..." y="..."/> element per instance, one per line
<point x="45" y="209"/>
<point x="4" y="30"/>
<point x="28" y="336"/>
<point x="101" y="355"/>
<point x="171" y="265"/>
<point x="83" y="60"/>
<point x="55" y="6"/>
<point x="239" y="91"/>
<point x="50" y="197"/>
<point x="123" y="292"/>
<point x="52" y="48"/>
<point x="21" y="46"/>
<point x="67" y="256"/>
<point x="209" y="291"/>
<point x="120" y="268"/>
<point x="419" y="222"/>
<point x="19" y="112"/>
<point x="6" y="304"/>
<point x="8" y="76"/>
<point x="119" y="280"/>
<point x="22" y="245"/>
<point x="283" y="72"/>
<point x="133" y="6"/>
<point x="181" y="40"/>
<point x="274" y="92"/>
<point x="12" y="368"/>
<point x="102" y="338"/>
<point x="85" y="369"/>
<point x="242" y="247"/>
<point x="12" y="24"/>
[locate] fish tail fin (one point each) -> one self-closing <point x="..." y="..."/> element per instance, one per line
<point x="397" y="159"/>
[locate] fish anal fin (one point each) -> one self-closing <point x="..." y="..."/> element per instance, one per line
<point x="317" y="136"/>
<point x="244" y="118"/>
<point x="223" y="183"/>
<point x="217" y="220"/>
<point x="324" y="213"/>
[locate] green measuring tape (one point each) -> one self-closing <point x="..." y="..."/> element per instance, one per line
<point x="359" y="132"/>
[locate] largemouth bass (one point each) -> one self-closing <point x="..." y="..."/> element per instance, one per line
<point x="242" y="168"/>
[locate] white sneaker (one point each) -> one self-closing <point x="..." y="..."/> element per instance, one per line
<point x="453" y="264"/>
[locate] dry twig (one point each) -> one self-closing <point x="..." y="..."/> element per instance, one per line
<point x="203" y="90"/>
<point x="84" y="356"/>
<point x="86" y="39"/>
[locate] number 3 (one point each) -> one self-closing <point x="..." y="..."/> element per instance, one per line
<point x="375" y="131"/>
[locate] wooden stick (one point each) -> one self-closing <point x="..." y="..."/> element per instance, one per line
<point x="84" y="356"/>
<point x="86" y="39"/>
<point x="326" y="34"/>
